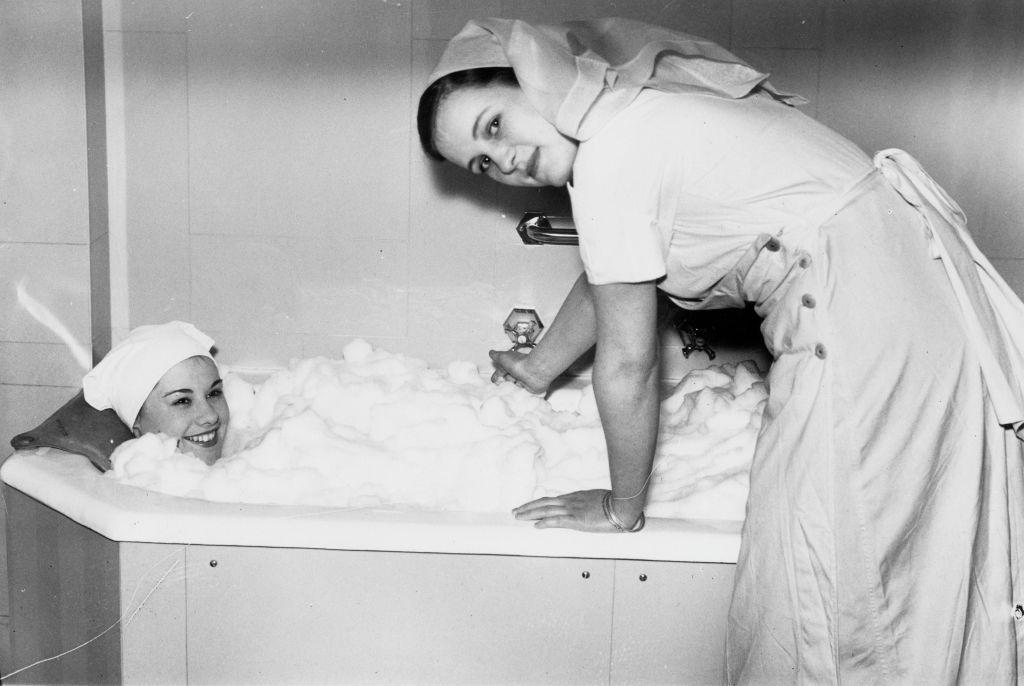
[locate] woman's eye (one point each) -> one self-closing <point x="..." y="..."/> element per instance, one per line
<point x="492" y="128"/>
<point x="185" y="402"/>
<point x="485" y="164"/>
<point x="215" y="393"/>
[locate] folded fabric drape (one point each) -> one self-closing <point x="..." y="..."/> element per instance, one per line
<point x="579" y="74"/>
<point x="993" y="314"/>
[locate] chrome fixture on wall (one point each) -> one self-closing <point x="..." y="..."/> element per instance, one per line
<point x="523" y="327"/>
<point x="537" y="228"/>
<point x="694" y="335"/>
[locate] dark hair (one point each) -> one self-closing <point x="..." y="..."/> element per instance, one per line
<point x="434" y="95"/>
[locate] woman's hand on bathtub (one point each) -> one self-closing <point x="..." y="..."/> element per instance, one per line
<point x="582" y="510"/>
<point x="510" y="365"/>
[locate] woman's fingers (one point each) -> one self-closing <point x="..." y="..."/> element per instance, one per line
<point x="537" y="507"/>
<point x="512" y="366"/>
<point x="556" y="510"/>
<point x="558" y="523"/>
<point x="501" y="377"/>
<point x="580" y="510"/>
<point x="502" y="368"/>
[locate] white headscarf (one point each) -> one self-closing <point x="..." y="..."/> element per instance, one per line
<point x="125" y="377"/>
<point x="579" y="74"/>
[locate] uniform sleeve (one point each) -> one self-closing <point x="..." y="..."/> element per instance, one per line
<point x="615" y="208"/>
<point x="618" y="244"/>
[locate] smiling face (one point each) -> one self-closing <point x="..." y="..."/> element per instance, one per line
<point x="188" y="404"/>
<point x="494" y="130"/>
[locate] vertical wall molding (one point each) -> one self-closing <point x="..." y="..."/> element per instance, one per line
<point x="96" y="142"/>
<point x="117" y="172"/>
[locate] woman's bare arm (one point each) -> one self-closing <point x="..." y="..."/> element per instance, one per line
<point x="626" y="374"/>
<point x="571" y="334"/>
<point x="626" y="388"/>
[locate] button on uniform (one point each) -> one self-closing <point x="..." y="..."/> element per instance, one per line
<point x="808" y="301"/>
<point x="804" y="262"/>
<point x="820" y="352"/>
<point x="1018" y="612"/>
<point x="773" y="244"/>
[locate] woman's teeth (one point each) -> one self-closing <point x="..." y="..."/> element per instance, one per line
<point x="205" y="440"/>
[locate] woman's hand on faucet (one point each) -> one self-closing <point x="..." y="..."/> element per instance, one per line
<point x="510" y="365"/>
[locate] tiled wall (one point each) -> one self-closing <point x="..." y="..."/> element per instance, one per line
<point x="941" y="79"/>
<point x="266" y="183"/>
<point x="44" y="222"/>
<point x="276" y="196"/>
<point x="44" y="209"/>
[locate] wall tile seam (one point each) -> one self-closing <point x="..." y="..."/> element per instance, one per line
<point x="30" y="341"/>
<point x="145" y="31"/>
<point x="36" y="385"/>
<point x="432" y="39"/>
<point x="83" y="244"/>
<point x="775" y="47"/>
<point x="302" y="237"/>
<point x="410" y="178"/>
<point x="50" y="343"/>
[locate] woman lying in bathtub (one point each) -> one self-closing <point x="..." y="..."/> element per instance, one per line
<point x="162" y="379"/>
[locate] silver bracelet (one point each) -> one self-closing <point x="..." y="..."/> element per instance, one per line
<point x="609" y="514"/>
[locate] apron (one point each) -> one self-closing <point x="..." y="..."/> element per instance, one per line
<point x="886" y="510"/>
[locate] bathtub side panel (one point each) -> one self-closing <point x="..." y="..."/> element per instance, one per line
<point x="327" y="616"/>
<point x="63" y="580"/>
<point x="153" y="606"/>
<point x="670" y="620"/>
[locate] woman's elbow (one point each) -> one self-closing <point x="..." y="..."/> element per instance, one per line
<point x="642" y="365"/>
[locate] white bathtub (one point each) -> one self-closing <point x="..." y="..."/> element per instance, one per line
<point x="231" y="593"/>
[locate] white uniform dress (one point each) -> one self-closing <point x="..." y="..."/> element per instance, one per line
<point x="883" y="538"/>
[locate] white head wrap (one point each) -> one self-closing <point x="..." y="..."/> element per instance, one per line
<point x="579" y="74"/>
<point x="125" y="377"/>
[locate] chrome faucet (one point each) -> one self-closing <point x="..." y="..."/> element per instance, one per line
<point x="694" y="336"/>
<point x="523" y="327"/>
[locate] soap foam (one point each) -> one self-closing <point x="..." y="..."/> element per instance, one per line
<point x="377" y="429"/>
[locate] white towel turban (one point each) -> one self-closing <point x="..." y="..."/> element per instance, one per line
<point x="129" y="372"/>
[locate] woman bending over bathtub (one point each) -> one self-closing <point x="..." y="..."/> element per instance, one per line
<point x="884" y="533"/>
<point x="163" y="379"/>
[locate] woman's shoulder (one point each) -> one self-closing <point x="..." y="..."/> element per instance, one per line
<point x="697" y="108"/>
<point x="655" y="133"/>
<point x="690" y="135"/>
<point x="659" y="123"/>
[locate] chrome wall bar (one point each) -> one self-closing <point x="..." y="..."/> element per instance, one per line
<point x="536" y="228"/>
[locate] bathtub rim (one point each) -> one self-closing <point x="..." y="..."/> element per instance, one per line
<point x="68" y="483"/>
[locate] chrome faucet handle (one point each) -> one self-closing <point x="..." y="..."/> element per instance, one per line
<point x="523" y="327"/>
<point x="695" y="337"/>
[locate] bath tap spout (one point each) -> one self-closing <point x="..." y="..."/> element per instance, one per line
<point x="537" y="228"/>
